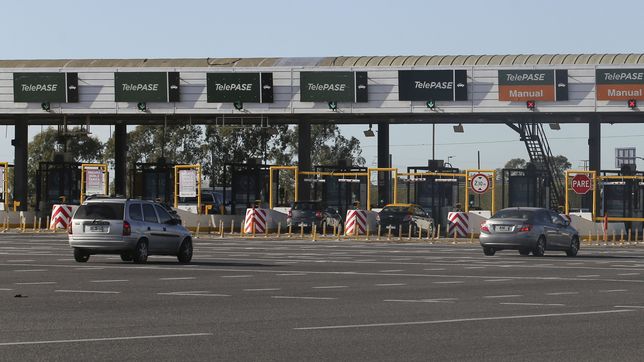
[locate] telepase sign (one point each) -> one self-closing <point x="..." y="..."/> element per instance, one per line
<point x="146" y="87"/>
<point x="619" y="84"/>
<point x="333" y="86"/>
<point x="436" y="85"/>
<point x="533" y="85"/>
<point x="239" y="87"/>
<point x="45" y="87"/>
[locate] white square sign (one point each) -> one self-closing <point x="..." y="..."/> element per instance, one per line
<point x="94" y="182"/>
<point x="187" y="183"/>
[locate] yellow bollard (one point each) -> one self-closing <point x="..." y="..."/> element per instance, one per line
<point x="35" y="221"/>
<point x="409" y="233"/>
<point x="232" y="227"/>
<point x="438" y="232"/>
<point x="621" y="236"/>
<point x="367" y="236"/>
<point x="420" y="233"/>
<point x="399" y="232"/>
<point x="389" y="234"/>
<point x="379" y="231"/>
<point x="279" y="229"/>
<point x="290" y="229"/>
<point x="637" y="231"/>
<point x="252" y="224"/>
<point x="335" y="229"/>
<point x="301" y="231"/>
<point x="313" y="232"/>
<point x="266" y="231"/>
<point x="221" y="228"/>
<point x="197" y="231"/>
<point x="455" y="236"/>
<point x="629" y="236"/>
<point x="324" y="229"/>
<point x="472" y="237"/>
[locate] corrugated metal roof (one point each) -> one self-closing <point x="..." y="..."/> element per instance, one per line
<point x="352" y="61"/>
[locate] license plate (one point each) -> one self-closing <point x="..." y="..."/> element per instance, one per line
<point x="96" y="229"/>
<point x="390" y="227"/>
<point x="302" y="224"/>
<point x="503" y="228"/>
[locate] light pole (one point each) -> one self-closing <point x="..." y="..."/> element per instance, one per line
<point x="448" y="161"/>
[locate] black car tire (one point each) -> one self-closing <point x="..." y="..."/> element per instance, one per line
<point x="140" y="255"/>
<point x="185" y="252"/>
<point x="126" y="256"/>
<point x="540" y="248"/>
<point x="81" y="255"/>
<point x="574" y="247"/>
<point x="488" y="251"/>
<point x="524" y="251"/>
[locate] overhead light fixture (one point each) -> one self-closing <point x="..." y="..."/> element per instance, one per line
<point x="555" y="126"/>
<point x="239" y="105"/>
<point x="45" y="106"/>
<point x="333" y="105"/>
<point x="369" y="132"/>
<point x="142" y="106"/>
<point x="431" y="104"/>
<point x="459" y="128"/>
<point x="530" y="104"/>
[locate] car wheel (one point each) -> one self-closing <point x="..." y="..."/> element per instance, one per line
<point x="185" y="252"/>
<point x="488" y="251"/>
<point x="126" y="256"/>
<point x="524" y="251"/>
<point x="81" y="255"/>
<point x="141" y="252"/>
<point x="574" y="247"/>
<point x="540" y="249"/>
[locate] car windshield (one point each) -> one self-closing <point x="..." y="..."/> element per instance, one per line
<point x="102" y="210"/>
<point x="396" y="209"/>
<point x="513" y="214"/>
<point x="305" y="206"/>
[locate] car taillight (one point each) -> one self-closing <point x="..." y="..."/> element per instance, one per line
<point x="290" y="214"/>
<point x="485" y="228"/>
<point x="318" y="214"/>
<point x="525" y="227"/>
<point x="127" y="228"/>
<point x="69" y="229"/>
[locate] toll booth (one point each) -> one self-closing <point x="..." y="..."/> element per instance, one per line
<point x="249" y="183"/>
<point x="152" y="181"/>
<point x="4" y="186"/>
<point x="57" y="181"/>
<point x="437" y="189"/>
<point x="524" y="188"/>
<point x="622" y="197"/>
<point x="341" y="187"/>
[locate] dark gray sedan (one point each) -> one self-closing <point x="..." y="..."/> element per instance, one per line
<point x="528" y="229"/>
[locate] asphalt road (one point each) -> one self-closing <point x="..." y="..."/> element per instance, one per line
<point x="333" y="300"/>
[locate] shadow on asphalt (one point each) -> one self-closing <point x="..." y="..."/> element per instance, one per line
<point x="203" y="263"/>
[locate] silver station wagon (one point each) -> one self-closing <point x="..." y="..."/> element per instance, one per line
<point x="132" y="229"/>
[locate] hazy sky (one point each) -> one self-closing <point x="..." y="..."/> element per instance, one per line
<point x="280" y="28"/>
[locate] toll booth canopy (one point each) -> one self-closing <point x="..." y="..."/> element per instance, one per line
<point x="249" y="183"/>
<point x="152" y="181"/>
<point x="57" y="181"/>
<point x="622" y="198"/>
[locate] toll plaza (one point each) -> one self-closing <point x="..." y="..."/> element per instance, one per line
<point x="58" y="182"/>
<point x="526" y="187"/>
<point x="248" y="185"/>
<point x="152" y="181"/>
<point x="340" y="187"/>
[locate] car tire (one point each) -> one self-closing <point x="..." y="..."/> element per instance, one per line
<point x="185" y="252"/>
<point x="574" y="247"/>
<point x="126" y="256"/>
<point x="140" y="255"/>
<point x="524" y="252"/>
<point x="540" y="248"/>
<point x="488" y="251"/>
<point x="81" y="255"/>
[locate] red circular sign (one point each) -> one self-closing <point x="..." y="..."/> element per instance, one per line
<point x="581" y="184"/>
<point x="480" y="183"/>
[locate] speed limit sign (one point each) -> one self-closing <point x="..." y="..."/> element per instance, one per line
<point x="480" y="183"/>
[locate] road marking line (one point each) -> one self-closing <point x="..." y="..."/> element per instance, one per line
<point x="196" y="294"/>
<point x="30" y="270"/>
<point x="562" y="293"/>
<point x="290" y="274"/>
<point x="35" y="283"/>
<point x="503" y="296"/>
<point x="442" y="300"/>
<point x="65" y="259"/>
<point x="90" y="268"/>
<point x="497" y="280"/>
<point x="106" y="339"/>
<point x="454" y="282"/>
<point x="629" y="306"/>
<point x="262" y="289"/>
<point x="331" y="287"/>
<point x="20" y="261"/>
<point x="182" y="278"/>
<point x="588" y="276"/>
<point x="312" y="298"/>
<point x="390" y="285"/>
<point x="109" y="281"/>
<point x="434" y="269"/>
<point x="85" y="291"/>
<point x="5" y="289"/>
<point x="236" y="276"/>
<point x="474" y="267"/>
<point x="391" y="271"/>
<point x="445" y="321"/>
<point x="625" y="274"/>
<point x="544" y="304"/>
<point x="613" y="290"/>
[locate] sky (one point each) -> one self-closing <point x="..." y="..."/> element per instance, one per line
<point x="254" y="28"/>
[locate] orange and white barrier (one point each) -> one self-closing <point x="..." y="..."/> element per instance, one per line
<point x="459" y="224"/>
<point x="61" y="216"/>
<point x="356" y="222"/>
<point x="255" y="218"/>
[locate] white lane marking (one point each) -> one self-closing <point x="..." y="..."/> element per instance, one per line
<point x="311" y="298"/>
<point x="29" y="270"/>
<point x="562" y="293"/>
<point x="543" y="304"/>
<point x="5" y="289"/>
<point x="35" y="283"/>
<point x="497" y="280"/>
<point x="439" y="300"/>
<point x="85" y="291"/>
<point x="20" y="261"/>
<point x="199" y="293"/>
<point x="236" y="276"/>
<point x="90" y="268"/>
<point x="390" y="284"/>
<point x="178" y="278"/>
<point x="331" y="287"/>
<point x="262" y="289"/>
<point x="625" y="274"/>
<point x="65" y="259"/>
<point x="474" y="267"/>
<point x="290" y="274"/>
<point x="613" y="290"/>
<point x="106" y="339"/>
<point x="109" y="281"/>
<point x="445" y="321"/>
<point x="454" y="282"/>
<point x="391" y="271"/>
<point x="588" y="276"/>
<point x="503" y="296"/>
<point x="629" y="306"/>
<point x="434" y="269"/>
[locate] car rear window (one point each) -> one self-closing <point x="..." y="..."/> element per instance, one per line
<point x="513" y="214"/>
<point x="396" y="210"/>
<point x="103" y="211"/>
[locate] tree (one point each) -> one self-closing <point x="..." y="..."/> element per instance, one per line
<point x="518" y="163"/>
